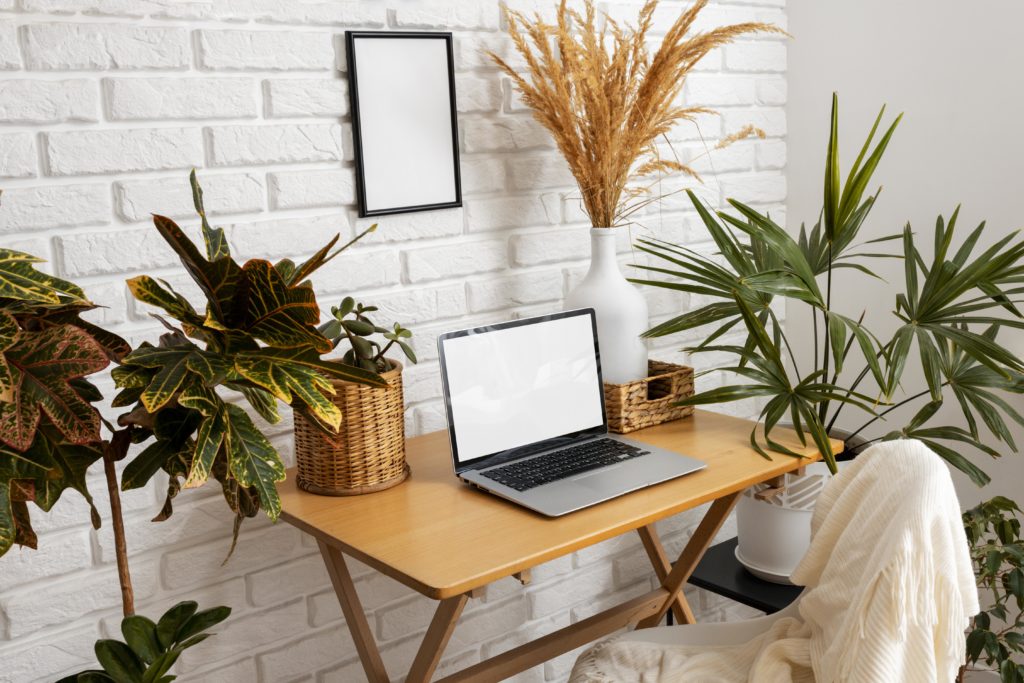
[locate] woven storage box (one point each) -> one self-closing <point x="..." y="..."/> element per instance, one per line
<point x="368" y="452"/>
<point x="648" y="402"/>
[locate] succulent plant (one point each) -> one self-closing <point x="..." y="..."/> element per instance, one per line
<point x="351" y="324"/>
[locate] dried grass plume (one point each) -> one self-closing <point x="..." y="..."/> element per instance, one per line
<point x="606" y="99"/>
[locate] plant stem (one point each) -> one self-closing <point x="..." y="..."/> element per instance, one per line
<point x="120" y="546"/>
<point x="890" y="409"/>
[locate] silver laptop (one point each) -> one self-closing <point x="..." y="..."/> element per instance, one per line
<point x="526" y="416"/>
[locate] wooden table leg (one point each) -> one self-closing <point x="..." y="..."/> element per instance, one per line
<point x="694" y="550"/>
<point x="662" y="567"/>
<point x="434" y="642"/>
<point x="354" y="616"/>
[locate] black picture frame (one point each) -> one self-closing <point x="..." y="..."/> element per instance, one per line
<point x="359" y="144"/>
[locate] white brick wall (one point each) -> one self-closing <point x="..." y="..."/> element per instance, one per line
<point x="105" y="105"/>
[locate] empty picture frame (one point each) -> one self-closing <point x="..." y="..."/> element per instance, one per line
<point x="402" y="87"/>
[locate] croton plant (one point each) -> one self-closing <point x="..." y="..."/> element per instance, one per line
<point x="256" y="337"/>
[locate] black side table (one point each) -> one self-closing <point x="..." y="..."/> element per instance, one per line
<point x="720" y="572"/>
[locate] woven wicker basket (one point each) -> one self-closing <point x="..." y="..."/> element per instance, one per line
<point x="648" y="402"/>
<point x="368" y="452"/>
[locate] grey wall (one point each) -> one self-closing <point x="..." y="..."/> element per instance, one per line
<point x="954" y="70"/>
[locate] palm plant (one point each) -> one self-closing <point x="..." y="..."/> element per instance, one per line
<point x="951" y="310"/>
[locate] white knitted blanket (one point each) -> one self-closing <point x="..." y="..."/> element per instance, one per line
<point x="890" y="591"/>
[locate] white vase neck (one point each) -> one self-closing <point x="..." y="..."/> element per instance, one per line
<point x="602" y="251"/>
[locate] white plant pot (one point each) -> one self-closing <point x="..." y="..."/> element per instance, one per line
<point x="774" y="535"/>
<point x="620" y="308"/>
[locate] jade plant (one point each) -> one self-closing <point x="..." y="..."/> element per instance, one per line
<point x="954" y="304"/>
<point x="996" y="634"/>
<point x="351" y="324"/>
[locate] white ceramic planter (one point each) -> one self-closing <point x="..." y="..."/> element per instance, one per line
<point x="620" y="308"/>
<point x="775" y="535"/>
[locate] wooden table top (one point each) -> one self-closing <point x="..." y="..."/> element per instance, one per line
<point x="444" y="538"/>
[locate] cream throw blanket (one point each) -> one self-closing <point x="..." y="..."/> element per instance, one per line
<point x="890" y="590"/>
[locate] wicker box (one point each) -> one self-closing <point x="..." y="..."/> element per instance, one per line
<point x="368" y="452"/>
<point x="648" y="402"/>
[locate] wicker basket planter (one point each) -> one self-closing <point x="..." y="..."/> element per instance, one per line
<point x="648" y="402"/>
<point x="368" y="452"/>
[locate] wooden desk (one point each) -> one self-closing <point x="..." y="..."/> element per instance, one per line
<point x="447" y="540"/>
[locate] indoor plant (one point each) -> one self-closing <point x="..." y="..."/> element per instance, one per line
<point x="606" y="101"/>
<point x="996" y="634"/>
<point x="954" y="305"/>
<point x="367" y="451"/>
<point x="50" y="431"/>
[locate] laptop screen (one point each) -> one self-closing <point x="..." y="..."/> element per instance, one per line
<point x="512" y="385"/>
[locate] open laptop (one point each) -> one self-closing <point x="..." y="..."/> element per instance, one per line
<point x="526" y="416"/>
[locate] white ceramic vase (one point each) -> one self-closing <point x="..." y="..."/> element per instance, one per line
<point x="620" y="308"/>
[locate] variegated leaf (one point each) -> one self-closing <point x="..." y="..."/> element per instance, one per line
<point x="20" y="280"/>
<point x="41" y="365"/>
<point x="168" y="379"/>
<point x="149" y="291"/>
<point x="12" y="522"/>
<point x="330" y="368"/>
<point x="8" y="335"/>
<point x="262" y="402"/>
<point x="289" y="381"/>
<point x="216" y="242"/>
<point x="275" y="313"/>
<point x="253" y="461"/>
<point x="209" y="440"/>
<point x="174" y="429"/>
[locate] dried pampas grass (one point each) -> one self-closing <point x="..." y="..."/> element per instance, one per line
<point x="606" y="100"/>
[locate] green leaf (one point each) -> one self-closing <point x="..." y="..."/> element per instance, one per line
<point x="173" y="430"/>
<point x="832" y="196"/>
<point x="173" y="620"/>
<point x="140" y="634"/>
<point x="216" y="242"/>
<point x="149" y="291"/>
<point x="41" y="366"/>
<point x="118" y="661"/>
<point x="212" y="431"/>
<point x="275" y="312"/>
<point x="20" y="280"/>
<point x="288" y="381"/>
<point x="253" y="461"/>
<point x="201" y="621"/>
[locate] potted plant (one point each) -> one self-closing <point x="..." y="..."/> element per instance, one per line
<point x="258" y="337"/>
<point x="953" y="306"/>
<point x="607" y="100"/>
<point x="367" y="452"/>
<point x="996" y="634"/>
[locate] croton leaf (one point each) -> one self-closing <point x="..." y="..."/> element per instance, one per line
<point x="209" y="440"/>
<point x="253" y="461"/>
<point x="16" y="475"/>
<point x="9" y="331"/>
<point x="174" y="429"/>
<point x="20" y="280"/>
<point x="41" y="366"/>
<point x="287" y="381"/>
<point x="160" y="294"/>
<point x="276" y="313"/>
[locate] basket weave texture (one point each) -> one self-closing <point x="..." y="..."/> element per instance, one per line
<point x="648" y="402"/>
<point x="368" y="452"/>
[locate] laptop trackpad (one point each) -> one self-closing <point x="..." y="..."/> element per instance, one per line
<point x="610" y="481"/>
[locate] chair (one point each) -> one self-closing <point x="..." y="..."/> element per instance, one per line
<point x="889" y="592"/>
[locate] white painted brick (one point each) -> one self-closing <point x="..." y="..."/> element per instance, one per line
<point x="17" y="155"/>
<point x="756" y="57"/>
<point x="236" y="672"/>
<point x="475" y="93"/>
<point x="554" y="246"/>
<point x="291" y="237"/>
<point x="772" y="91"/>
<point x="37" y="101"/>
<point x="285" y="581"/>
<point x="172" y="197"/>
<point x="306" y="97"/>
<point x="482" y="175"/>
<point x="422" y="382"/>
<point x="713" y="90"/>
<point x="76" y="47"/>
<point x="754" y="188"/>
<point x="771" y="154"/>
<point x="484" y="135"/>
<point x="413" y="226"/>
<point x="515" y="290"/>
<point x="310" y="652"/>
<point x="57" y="554"/>
<point x="471" y="51"/>
<point x="277" y="144"/>
<point x="359" y="269"/>
<point x="308" y="189"/>
<point x="508" y="212"/>
<point x="771" y="120"/>
<point x="10" y="58"/>
<point x="455" y="260"/>
<point x="414" y="305"/>
<point x="274" y="50"/>
<point x="54" y="206"/>
<point x="133" y="99"/>
<point x="539" y="172"/>
<point x="70" y="599"/>
<point x="58" y="653"/>
<point x="97" y="253"/>
<point x="448" y="15"/>
<point x="107" y="151"/>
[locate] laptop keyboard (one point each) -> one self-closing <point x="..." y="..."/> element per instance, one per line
<point x="564" y="463"/>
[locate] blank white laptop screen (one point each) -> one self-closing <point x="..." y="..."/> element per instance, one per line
<point x="519" y="385"/>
